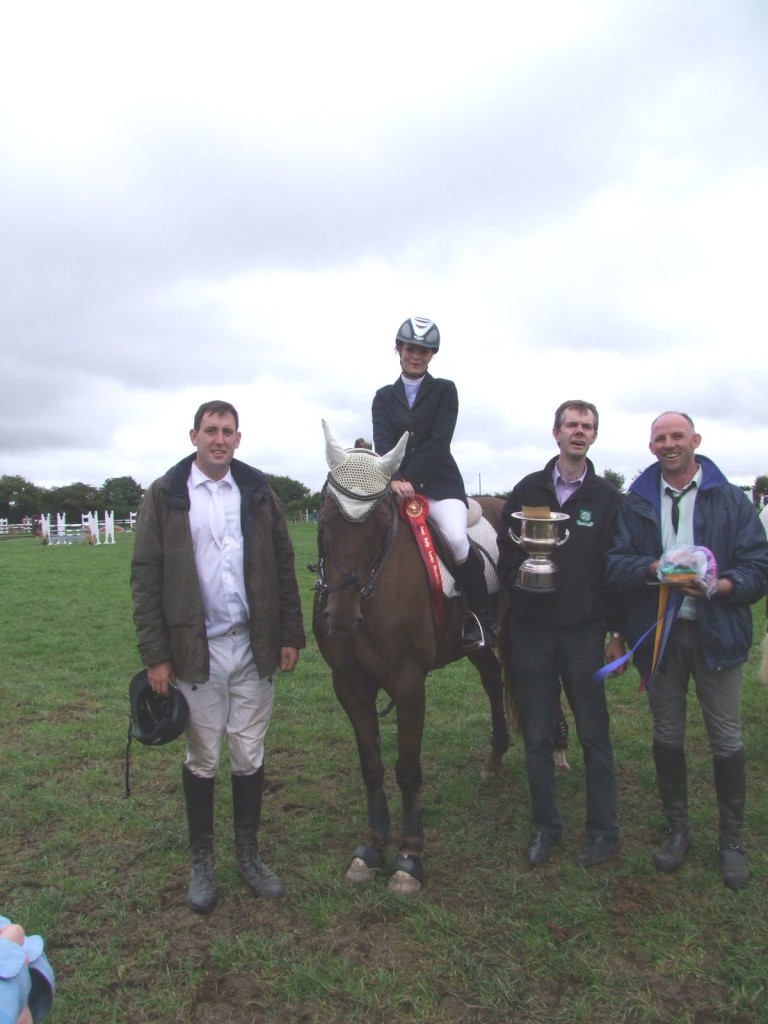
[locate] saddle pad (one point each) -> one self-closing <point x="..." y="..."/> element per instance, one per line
<point x="483" y="534"/>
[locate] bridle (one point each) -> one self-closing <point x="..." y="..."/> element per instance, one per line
<point x="361" y="582"/>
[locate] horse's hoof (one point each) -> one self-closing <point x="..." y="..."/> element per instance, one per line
<point x="407" y="872"/>
<point x="492" y="767"/>
<point x="561" y="762"/>
<point x="404" y="884"/>
<point x="359" y="872"/>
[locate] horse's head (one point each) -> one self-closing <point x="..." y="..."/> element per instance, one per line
<point x="358" y="477"/>
<point x="356" y="529"/>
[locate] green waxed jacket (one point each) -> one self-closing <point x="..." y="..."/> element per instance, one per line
<point x="167" y="602"/>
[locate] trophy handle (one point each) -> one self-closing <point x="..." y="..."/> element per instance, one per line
<point x="513" y="536"/>
<point x="565" y="537"/>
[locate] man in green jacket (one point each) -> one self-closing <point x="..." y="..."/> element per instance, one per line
<point x="217" y="612"/>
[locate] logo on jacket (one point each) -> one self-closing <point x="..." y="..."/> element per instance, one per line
<point x="584" y="517"/>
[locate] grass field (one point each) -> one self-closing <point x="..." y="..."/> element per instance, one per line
<point x="488" y="941"/>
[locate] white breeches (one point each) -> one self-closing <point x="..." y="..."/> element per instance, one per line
<point x="449" y="515"/>
<point x="235" y="702"/>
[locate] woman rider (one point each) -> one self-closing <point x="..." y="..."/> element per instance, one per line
<point x="428" y="407"/>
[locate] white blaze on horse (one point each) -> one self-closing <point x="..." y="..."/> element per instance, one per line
<point x="376" y="624"/>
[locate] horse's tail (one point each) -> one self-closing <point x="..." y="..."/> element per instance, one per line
<point x="507" y="676"/>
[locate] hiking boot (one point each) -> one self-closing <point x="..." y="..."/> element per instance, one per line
<point x="597" y="851"/>
<point x="542" y="847"/>
<point x="201" y="894"/>
<point x="261" y="880"/>
<point x="733" y="866"/>
<point x="669" y="856"/>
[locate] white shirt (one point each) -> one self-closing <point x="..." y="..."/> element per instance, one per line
<point x="217" y="539"/>
<point x="411" y="389"/>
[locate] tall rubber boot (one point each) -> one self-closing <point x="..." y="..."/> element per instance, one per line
<point x="247" y="792"/>
<point x="672" y="780"/>
<point x="731" y="789"/>
<point x="479" y="627"/>
<point x="198" y="796"/>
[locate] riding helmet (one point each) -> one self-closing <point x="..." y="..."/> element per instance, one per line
<point x="417" y="330"/>
<point x="154" y="719"/>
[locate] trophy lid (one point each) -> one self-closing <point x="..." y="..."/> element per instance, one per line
<point x="540" y="512"/>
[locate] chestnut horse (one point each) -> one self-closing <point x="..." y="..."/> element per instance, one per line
<point x="374" y="626"/>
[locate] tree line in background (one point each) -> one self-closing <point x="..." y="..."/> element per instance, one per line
<point x="19" y="498"/>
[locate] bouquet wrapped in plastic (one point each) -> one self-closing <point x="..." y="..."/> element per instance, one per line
<point x="688" y="565"/>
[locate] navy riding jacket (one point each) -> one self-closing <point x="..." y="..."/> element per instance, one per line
<point x="427" y="464"/>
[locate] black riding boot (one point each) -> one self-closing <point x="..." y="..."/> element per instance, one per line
<point x="479" y="627"/>
<point x="246" y="805"/>
<point x="672" y="780"/>
<point x="198" y="796"/>
<point x="731" y="789"/>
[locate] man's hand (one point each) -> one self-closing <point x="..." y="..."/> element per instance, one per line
<point x="160" y="677"/>
<point x="614" y="650"/>
<point x="289" y="657"/>
<point x="724" y="587"/>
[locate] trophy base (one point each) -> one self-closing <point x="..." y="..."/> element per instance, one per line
<point x="537" y="578"/>
<point x="537" y="588"/>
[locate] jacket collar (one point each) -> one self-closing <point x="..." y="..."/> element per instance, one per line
<point x="246" y="477"/>
<point x="648" y="484"/>
<point x="550" y="467"/>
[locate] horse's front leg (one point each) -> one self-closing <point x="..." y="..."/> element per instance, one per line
<point x="407" y="867"/>
<point x="369" y="857"/>
<point x="487" y="664"/>
<point x="360" y="705"/>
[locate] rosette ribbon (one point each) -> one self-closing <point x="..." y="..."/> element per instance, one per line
<point x="415" y="512"/>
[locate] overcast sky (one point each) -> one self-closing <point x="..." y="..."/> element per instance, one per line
<point x="244" y="200"/>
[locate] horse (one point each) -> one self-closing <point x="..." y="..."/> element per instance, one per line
<point x="373" y="623"/>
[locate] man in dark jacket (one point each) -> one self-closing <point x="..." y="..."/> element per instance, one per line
<point x="684" y="499"/>
<point x="217" y="612"/>
<point x="559" y="636"/>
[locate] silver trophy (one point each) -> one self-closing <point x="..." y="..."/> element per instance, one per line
<point x="541" y="533"/>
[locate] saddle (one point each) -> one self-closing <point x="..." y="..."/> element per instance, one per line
<point x="483" y="536"/>
<point x="436" y="559"/>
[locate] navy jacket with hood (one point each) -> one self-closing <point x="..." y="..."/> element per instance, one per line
<point x="724" y="521"/>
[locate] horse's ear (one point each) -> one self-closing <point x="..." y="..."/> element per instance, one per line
<point x="390" y="463"/>
<point x="334" y="453"/>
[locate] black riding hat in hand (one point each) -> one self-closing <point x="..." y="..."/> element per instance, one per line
<point x="155" y="719"/>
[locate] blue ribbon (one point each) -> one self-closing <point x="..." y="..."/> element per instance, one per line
<point x="663" y="626"/>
